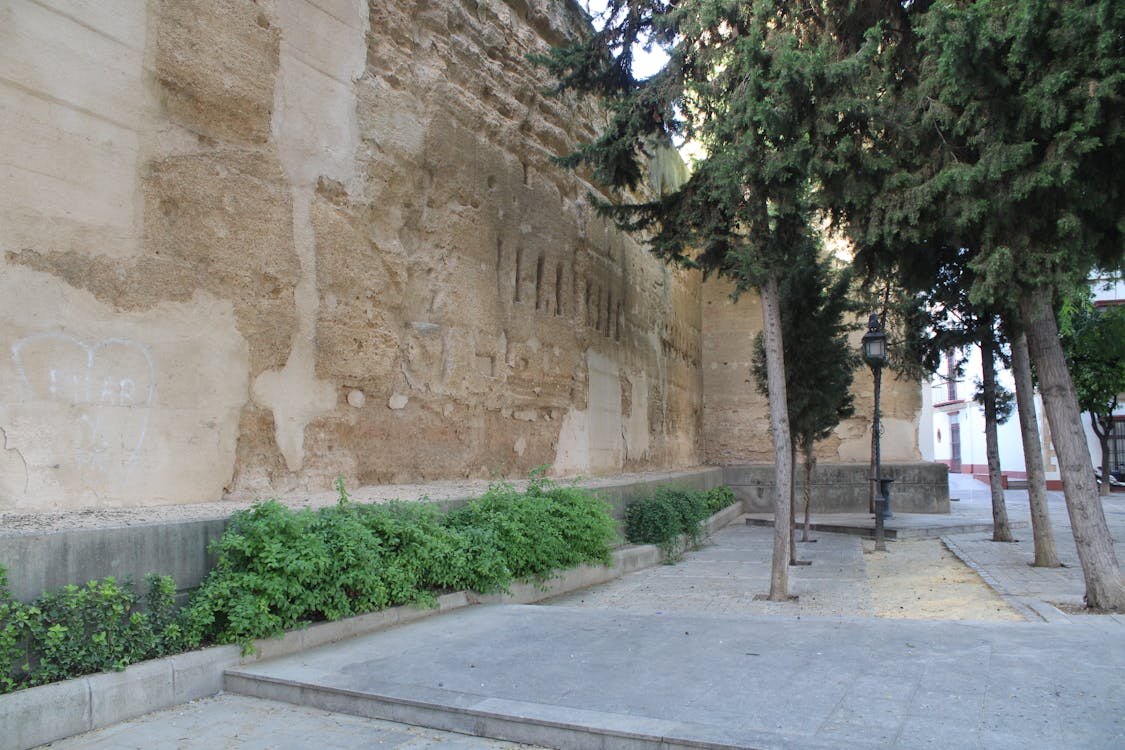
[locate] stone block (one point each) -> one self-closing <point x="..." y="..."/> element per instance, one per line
<point x="43" y="714"/>
<point x="138" y="689"/>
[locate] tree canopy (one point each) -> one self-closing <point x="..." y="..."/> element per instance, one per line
<point x="1094" y="342"/>
<point x="1000" y="132"/>
<point x="984" y="134"/>
<point x="754" y="85"/>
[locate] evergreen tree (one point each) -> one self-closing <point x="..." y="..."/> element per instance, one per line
<point x="756" y="84"/>
<point x="819" y="360"/>
<point x="1003" y="132"/>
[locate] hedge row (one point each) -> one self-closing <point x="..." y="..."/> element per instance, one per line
<point x="673" y="518"/>
<point x="278" y="569"/>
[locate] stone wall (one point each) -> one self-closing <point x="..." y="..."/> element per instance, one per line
<point x="736" y="417"/>
<point x="246" y="247"/>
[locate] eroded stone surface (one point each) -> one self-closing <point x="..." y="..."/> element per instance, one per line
<point x="331" y="235"/>
<point x="319" y="239"/>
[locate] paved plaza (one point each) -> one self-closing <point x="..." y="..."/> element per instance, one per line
<point x="688" y="656"/>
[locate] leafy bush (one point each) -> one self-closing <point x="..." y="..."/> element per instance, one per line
<point x="672" y="518"/>
<point x="719" y="498"/>
<point x="546" y="528"/>
<point x="278" y="568"/>
<point x="81" y="629"/>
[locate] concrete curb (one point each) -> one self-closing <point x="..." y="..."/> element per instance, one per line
<point x="38" y="715"/>
<point x="1033" y="610"/>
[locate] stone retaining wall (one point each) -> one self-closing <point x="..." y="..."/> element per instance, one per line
<point x="919" y="487"/>
<point x="45" y="561"/>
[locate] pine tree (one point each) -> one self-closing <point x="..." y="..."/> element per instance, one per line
<point x="1002" y="131"/>
<point x="755" y="84"/>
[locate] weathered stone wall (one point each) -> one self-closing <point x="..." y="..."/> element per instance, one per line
<point x="736" y="417"/>
<point x="251" y="246"/>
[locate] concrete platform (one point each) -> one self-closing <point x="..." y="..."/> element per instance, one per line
<point x="583" y="678"/>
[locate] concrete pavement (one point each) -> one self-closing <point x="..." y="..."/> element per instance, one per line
<point x="697" y="661"/>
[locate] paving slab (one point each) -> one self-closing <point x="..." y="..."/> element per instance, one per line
<point x="731" y="573"/>
<point x="580" y="678"/>
<point x="1006" y="566"/>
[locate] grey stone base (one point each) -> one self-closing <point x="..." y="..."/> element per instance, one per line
<point x="919" y="487"/>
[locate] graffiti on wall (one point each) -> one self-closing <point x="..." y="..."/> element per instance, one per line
<point x="90" y="401"/>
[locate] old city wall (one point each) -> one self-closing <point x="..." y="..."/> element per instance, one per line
<point x="252" y="246"/>
<point x="736" y="416"/>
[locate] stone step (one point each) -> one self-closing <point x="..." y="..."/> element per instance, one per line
<point x="902" y="526"/>
<point x="494" y="718"/>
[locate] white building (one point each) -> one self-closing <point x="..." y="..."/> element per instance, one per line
<point x="951" y="428"/>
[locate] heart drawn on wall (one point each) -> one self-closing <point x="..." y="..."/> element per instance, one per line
<point x="92" y="401"/>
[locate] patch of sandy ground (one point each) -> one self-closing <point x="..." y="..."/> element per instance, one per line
<point x="922" y="580"/>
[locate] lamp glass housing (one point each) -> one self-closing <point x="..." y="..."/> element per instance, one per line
<point x="875" y="348"/>
<point x="875" y="343"/>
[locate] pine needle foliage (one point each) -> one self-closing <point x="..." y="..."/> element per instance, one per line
<point x="820" y="362"/>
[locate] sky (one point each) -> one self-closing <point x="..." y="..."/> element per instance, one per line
<point x="645" y="63"/>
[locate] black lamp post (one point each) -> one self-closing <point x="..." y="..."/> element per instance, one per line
<point x="875" y="354"/>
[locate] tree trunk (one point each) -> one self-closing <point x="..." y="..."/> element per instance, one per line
<point x="1102" y="430"/>
<point x="1105" y="583"/>
<point x="1046" y="554"/>
<point x="779" y="430"/>
<point x="1001" y="529"/>
<point x="792" y="503"/>
<point x="810" y="464"/>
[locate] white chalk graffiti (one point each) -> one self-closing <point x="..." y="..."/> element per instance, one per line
<point x="93" y="399"/>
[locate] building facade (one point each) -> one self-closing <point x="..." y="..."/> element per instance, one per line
<point x="951" y="427"/>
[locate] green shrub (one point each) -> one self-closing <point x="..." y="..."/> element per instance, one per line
<point x="278" y="569"/>
<point x="672" y="518"/>
<point x="719" y="498"/>
<point x="77" y="630"/>
<point x="548" y="527"/>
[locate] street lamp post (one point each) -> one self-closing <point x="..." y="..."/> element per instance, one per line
<point x="875" y="354"/>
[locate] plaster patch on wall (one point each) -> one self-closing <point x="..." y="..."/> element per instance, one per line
<point x="592" y="439"/>
<point x="315" y="126"/>
<point x="573" y="453"/>
<point x="636" y="426"/>
<point x="75" y="103"/>
<point x="294" y="393"/>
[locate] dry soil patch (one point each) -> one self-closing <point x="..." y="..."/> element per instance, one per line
<point x="922" y="580"/>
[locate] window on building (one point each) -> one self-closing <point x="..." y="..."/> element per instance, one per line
<point x="950" y="379"/>
<point x="1117" y="446"/>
